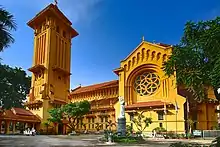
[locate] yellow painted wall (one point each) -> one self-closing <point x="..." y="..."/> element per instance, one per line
<point x="206" y="117"/>
<point x="169" y="125"/>
<point x="150" y="57"/>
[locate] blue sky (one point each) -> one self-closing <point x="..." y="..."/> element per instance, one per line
<point x="108" y="30"/>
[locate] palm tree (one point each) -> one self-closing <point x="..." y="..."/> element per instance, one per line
<point x="7" y="24"/>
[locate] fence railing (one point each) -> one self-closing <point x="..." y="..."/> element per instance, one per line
<point x="210" y="133"/>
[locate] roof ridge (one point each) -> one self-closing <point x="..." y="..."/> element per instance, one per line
<point x="99" y="83"/>
<point x="94" y="87"/>
<point x="72" y="90"/>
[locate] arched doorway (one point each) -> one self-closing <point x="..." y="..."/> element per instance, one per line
<point x="60" y="129"/>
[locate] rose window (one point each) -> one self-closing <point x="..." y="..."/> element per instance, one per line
<point x="147" y="83"/>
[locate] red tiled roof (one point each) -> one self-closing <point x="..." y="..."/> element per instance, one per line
<point x="94" y="87"/>
<point x="19" y="114"/>
<point x="164" y="45"/>
<point x="20" y="111"/>
<point x="105" y="101"/>
<point x="146" y="104"/>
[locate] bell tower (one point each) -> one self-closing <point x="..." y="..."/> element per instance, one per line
<point x="51" y="61"/>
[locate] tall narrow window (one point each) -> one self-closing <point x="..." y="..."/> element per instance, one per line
<point x="89" y="121"/>
<point x="58" y="29"/>
<point x="106" y="122"/>
<point x="160" y="115"/>
<point x="93" y="121"/>
<point x="161" y="125"/>
<point x="64" y="34"/>
<point x="102" y="120"/>
<point x="81" y="122"/>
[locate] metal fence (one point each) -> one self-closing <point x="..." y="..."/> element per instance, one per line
<point x="210" y="133"/>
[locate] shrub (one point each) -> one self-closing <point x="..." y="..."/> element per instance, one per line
<point x="180" y="144"/>
<point x="189" y="135"/>
<point x="170" y="134"/>
<point x="127" y="139"/>
<point x="129" y="130"/>
<point x="216" y="142"/>
<point x="159" y="130"/>
<point x="122" y="139"/>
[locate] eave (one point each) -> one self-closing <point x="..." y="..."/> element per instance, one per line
<point x="37" y="68"/>
<point x="52" y="10"/>
<point x="118" y="70"/>
<point x="62" y="71"/>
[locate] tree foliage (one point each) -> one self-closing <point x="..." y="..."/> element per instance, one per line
<point x="7" y="24"/>
<point x="14" y="86"/>
<point x="56" y="115"/>
<point x="72" y="112"/>
<point x="141" y="122"/>
<point x="196" y="59"/>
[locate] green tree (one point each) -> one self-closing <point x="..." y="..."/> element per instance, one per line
<point x="14" y="86"/>
<point x="7" y="24"/>
<point x="72" y="112"/>
<point x="195" y="61"/>
<point x="141" y="122"/>
<point x="56" y="115"/>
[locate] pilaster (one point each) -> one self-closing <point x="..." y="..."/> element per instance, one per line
<point x="7" y="124"/>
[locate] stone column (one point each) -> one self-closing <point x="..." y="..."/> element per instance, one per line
<point x="13" y="127"/>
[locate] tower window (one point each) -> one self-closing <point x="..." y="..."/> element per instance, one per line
<point x="64" y="34"/>
<point x="58" y="29"/>
<point x="59" y="77"/>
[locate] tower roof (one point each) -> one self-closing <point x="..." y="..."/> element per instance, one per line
<point x="51" y="10"/>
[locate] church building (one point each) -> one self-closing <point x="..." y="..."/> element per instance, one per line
<point x="141" y="82"/>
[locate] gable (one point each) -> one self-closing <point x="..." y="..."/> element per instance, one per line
<point x="152" y="47"/>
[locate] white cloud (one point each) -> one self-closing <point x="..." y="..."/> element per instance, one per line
<point x="76" y="10"/>
<point x="80" y="10"/>
<point x="212" y="14"/>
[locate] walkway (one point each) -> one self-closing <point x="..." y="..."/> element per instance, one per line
<point x="68" y="141"/>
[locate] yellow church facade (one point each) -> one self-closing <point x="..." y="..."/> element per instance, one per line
<point x="141" y="82"/>
<point x="144" y="87"/>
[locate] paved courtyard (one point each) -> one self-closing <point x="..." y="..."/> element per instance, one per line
<point x="65" y="141"/>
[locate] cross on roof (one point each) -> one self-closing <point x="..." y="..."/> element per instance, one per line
<point x="55" y="2"/>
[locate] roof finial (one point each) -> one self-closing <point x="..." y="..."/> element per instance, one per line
<point x="55" y="2"/>
<point x="143" y="38"/>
